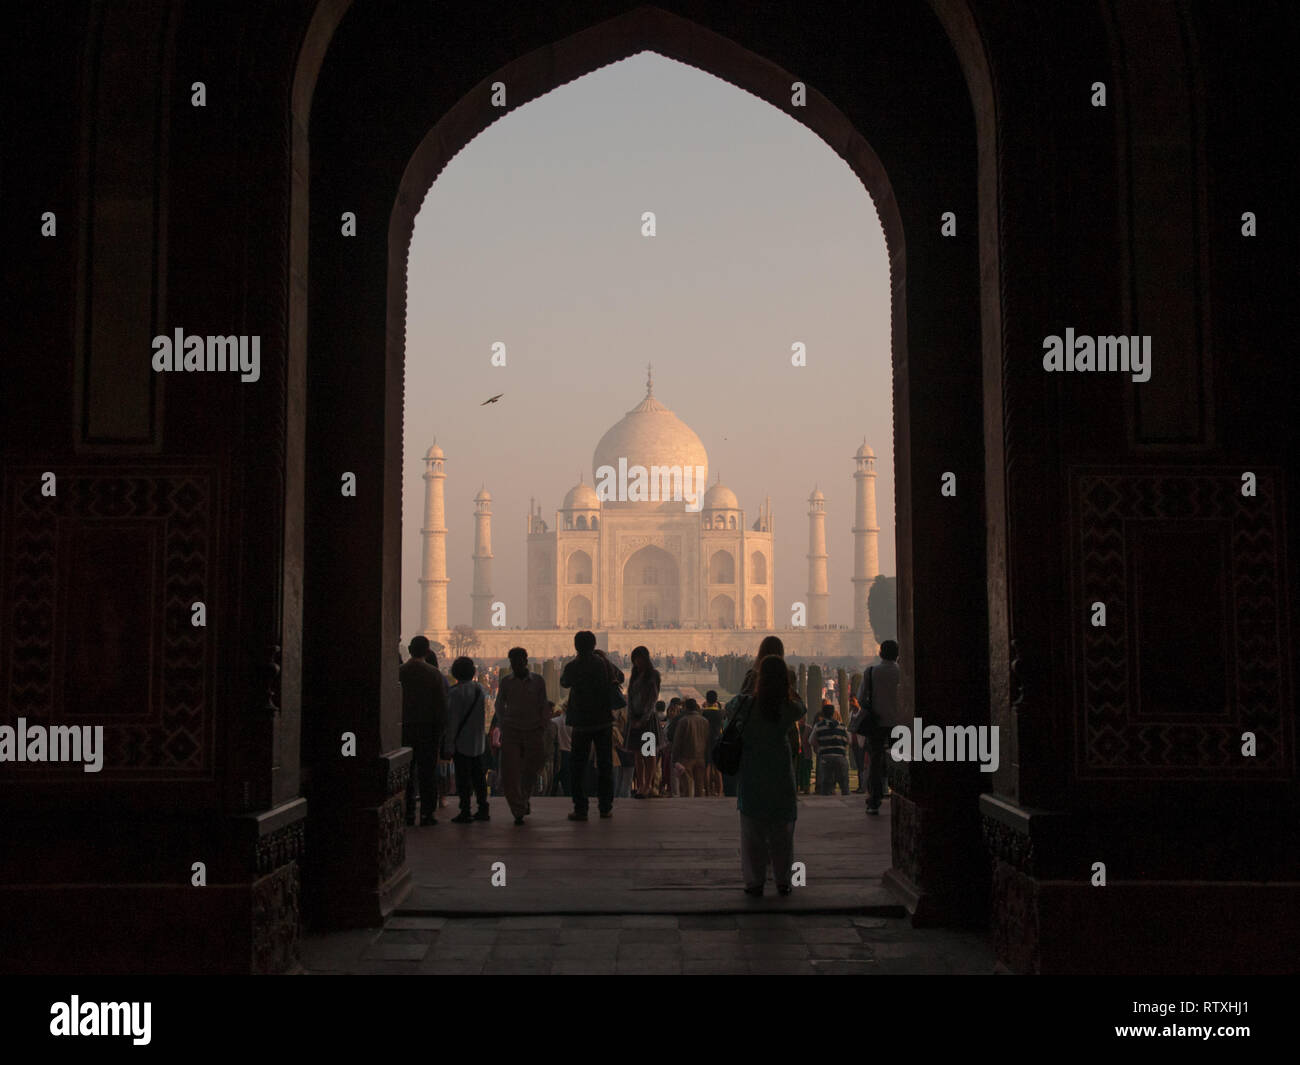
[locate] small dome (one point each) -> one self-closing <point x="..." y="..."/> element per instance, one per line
<point x="720" y="497"/>
<point x="581" y="497"/>
<point x="484" y="496"/>
<point x="865" y="452"/>
<point x="816" y="496"/>
<point x="435" y="452"/>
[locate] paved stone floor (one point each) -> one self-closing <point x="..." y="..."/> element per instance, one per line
<point x="652" y="856"/>
<point x="656" y="944"/>
<point x="655" y="889"/>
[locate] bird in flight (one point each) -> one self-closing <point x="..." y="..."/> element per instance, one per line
<point x="492" y="400"/>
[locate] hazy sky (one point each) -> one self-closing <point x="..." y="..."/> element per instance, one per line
<point x="532" y="237"/>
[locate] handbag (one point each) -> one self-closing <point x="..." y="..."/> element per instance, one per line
<point x="725" y="755"/>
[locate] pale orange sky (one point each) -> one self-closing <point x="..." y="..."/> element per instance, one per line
<point x="532" y="237"/>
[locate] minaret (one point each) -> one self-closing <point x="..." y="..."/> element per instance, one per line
<point x="482" y="593"/>
<point x="818" y="588"/>
<point x="433" y="582"/>
<point x="866" y="536"/>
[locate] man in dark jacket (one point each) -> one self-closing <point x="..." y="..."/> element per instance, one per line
<point x="589" y="678"/>
<point x="424" y="719"/>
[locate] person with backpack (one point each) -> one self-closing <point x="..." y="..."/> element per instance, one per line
<point x="592" y="681"/>
<point x="466" y="728"/>
<point x="766" y="788"/>
<point x="879" y="700"/>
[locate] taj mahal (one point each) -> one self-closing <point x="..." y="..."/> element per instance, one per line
<point x="655" y="557"/>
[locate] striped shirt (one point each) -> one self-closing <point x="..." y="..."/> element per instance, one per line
<point x="829" y="737"/>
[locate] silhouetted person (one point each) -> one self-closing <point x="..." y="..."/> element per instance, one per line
<point x="671" y="775"/>
<point x="424" y="718"/>
<point x="766" y="797"/>
<point x="522" y="712"/>
<point x="546" y="778"/>
<point x="466" y="718"/>
<point x="589" y="678"/>
<point x="830" y="742"/>
<point x="564" y="752"/>
<point x="879" y="699"/>
<point x="431" y="657"/>
<point x="715" y="716"/>
<point x="642" y="725"/>
<point x="804" y="764"/>
<point x="691" y="749"/>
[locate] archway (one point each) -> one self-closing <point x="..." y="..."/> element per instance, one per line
<point x="942" y="355"/>
<point x="722" y="568"/>
<point x="578" y="613"/>
<point x="651" y="588"/>
<point x="578" y="569"/>
<point x="758" y="612"/>
<point x="758" y="568"/>
<point x="722" y="612"/>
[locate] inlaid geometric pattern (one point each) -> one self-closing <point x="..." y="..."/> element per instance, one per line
<point x="95" y="623"/>
<point x="1116" y="735"/>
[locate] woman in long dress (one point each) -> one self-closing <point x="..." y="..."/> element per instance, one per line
<point x="766" y="791"/>
<point x="642" y="694"/>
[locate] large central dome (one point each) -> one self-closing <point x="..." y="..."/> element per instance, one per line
<point x="650" y="435"/>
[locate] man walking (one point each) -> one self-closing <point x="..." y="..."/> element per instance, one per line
<point x="522" y="713"/>
<point x="879" y="699"/>
<point x="589" y="678"/>
<point x="424" y="718"/>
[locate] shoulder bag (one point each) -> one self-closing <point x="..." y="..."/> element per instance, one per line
<point x="727" y="747"/>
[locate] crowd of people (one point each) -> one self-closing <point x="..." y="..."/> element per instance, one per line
<point x="609" y="743"/>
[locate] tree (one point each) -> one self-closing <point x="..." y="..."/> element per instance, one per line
<point x="463" y="640"/>
<point x="882" y="607"/>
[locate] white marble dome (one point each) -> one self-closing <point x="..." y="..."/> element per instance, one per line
<point x="581" y="497"/>
<point x="650" y="435"/>
<point x="720" y="497"/>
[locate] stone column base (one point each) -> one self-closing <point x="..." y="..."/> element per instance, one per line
<point x="1043" y="922"/>
<point x="940" y="873"/>
<point x="244" y="919"/>
<point x="357" y="874"/>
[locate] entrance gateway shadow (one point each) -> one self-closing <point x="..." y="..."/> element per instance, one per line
<point x="908" y="92"/>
